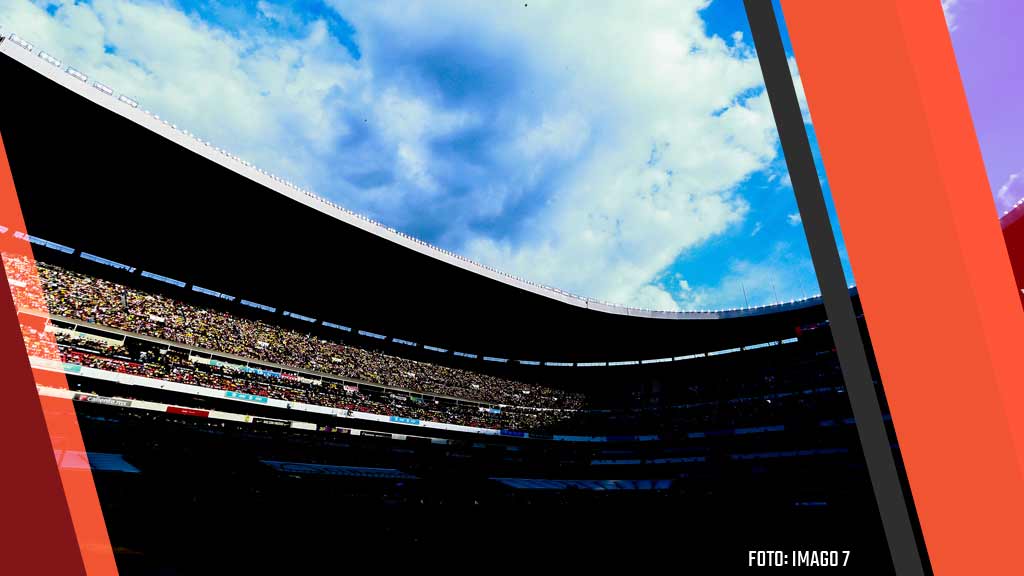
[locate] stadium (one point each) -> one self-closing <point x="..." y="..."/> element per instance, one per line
<point x="260" y="371"/>
<point x="1012" y="223"/>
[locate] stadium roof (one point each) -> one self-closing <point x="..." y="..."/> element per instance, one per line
<point x="97" y="173"/>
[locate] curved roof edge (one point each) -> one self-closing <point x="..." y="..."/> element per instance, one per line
<point x="80" y="83"/>
<point x="1016" y="212"/>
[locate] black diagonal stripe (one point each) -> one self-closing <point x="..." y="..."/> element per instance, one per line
<point x="834" y="291"/>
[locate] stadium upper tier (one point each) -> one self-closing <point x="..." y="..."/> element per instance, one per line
<point x="94" y="300"/>
<point x="118" y="183"/>
<point x="103" y="325"/>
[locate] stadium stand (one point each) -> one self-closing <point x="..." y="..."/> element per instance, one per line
<point x="95" y="300"/>
<point x="813" y="387"/>
<point x="227" y="438"/>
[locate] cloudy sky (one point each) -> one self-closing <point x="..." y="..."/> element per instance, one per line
<point x="986" y="38"/>
<point x="618" y="150"/>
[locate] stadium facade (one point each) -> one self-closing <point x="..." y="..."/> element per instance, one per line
<point x="223" y="330"/>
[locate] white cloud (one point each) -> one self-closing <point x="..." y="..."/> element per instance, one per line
<point x="757" y="228"/>
<point x="610" y="138"/>
<point x="653" y="297"/>
<point x="794" y="219"/>
<point x="278" y="14"/>
<point x="410" y="123"/>
<point x="262" y="97"/>
<point x="778" y="277"/>
<point x="949" y="10"/>
<point x="670" y="119"/>
<point x="798" y="84"/>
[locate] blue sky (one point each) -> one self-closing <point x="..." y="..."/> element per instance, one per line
<point x="622" y="151"/>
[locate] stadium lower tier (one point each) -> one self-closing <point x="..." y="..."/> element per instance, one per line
<point x="818" y="438"/>
<point x="259" y="497"/>
<point x="806" y="409"/>
<point x="804" y="393"/>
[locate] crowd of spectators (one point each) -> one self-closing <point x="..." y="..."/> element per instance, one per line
<point x="805" y="407"/>
<point x="175" y="365"/>
<point x="81" y="297"/>
<point x="807" y="390"/>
